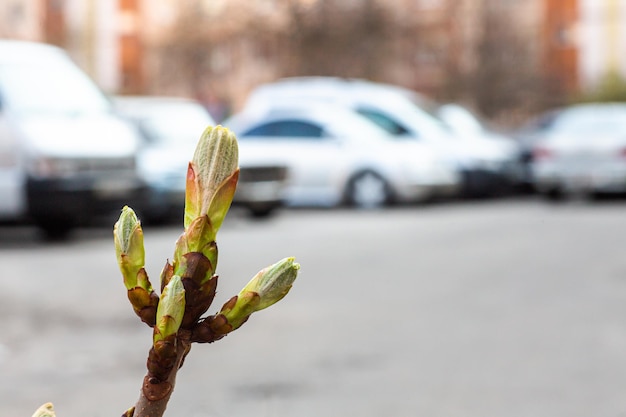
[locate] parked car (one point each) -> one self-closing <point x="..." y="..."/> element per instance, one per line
<point x="483" y="164"/>
<point x="336" y="156"/>
<point x="468" y="127"/>
<point x="582" y="151"/>
<point x="460" y="119"/>
<point x="65" y="158"/>
<point x="528" y="136"/>
<point x="489" y="161"/>
<point x="171" y="128"/>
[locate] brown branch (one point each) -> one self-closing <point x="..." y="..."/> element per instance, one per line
<point x="155" y="394"/>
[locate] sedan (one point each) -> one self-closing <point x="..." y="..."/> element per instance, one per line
<point x="582" y="151"/>
<point x="487" y="165"/>
<point x="335" y="156"/>
<point x="171" y="128"/>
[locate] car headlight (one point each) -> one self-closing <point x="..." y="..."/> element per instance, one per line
<point x="45" y="167"/>
<point x="51" y="167"/>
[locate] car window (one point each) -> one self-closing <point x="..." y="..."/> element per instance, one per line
<point x="287" y="128"/>
<point x="55" y="86"/>
<point x="541" y="123"/>
<point x="591" y="122"/>
<point x="384" y="121"/>
<point x="175" y="123"/>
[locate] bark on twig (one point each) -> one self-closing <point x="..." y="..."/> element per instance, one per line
<point x="155" y="394"/>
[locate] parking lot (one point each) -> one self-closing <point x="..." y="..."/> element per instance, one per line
<point x="492" y="308"/>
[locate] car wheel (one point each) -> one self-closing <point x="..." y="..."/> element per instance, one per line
<point x="368" y="190"/>
<point x="555" y="195"/>
<point x="261" y="212"/>
<point x="54" y="229"/>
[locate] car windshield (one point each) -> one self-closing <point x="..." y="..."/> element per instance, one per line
<point x="287" y="128"/>
<point x="424" y="117"/>
<point x="581" y="122"/>
<point x="389" y="124"/>
<point x="53" y="86"/>
<point x="175" y="124"/>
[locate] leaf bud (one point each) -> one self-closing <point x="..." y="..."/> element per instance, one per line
<point x="212" y="176"/>
<point x="170" y="310"/>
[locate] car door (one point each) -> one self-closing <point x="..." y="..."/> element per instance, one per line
<point x="313" y="157"/>
<point x="12" y="203"/>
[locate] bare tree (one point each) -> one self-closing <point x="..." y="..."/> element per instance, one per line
<point x="507" y="77"/>
<point x="331" y="37"/>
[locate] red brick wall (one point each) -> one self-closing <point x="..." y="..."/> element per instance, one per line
<point x="130" y="49"/>
<point x="560" y="51"/>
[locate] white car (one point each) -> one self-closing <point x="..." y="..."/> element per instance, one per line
<point x="467" y="126"/>
<point x="482" y="162"/>
<point x="336" y="156"/>
<point x="171" y="128"/>
<point x="65" y="158"/>
<point x="582" y="151"/>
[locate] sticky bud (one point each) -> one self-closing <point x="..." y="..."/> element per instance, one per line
<point x="129" y="248"/>
<point x="170" y="310"/>
<point x="267" y="287"/>
<point x="212" y="177"/>
<point x="46" y="410"/>
<point x="274" y="282"/>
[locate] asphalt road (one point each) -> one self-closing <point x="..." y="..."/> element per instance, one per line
<point x="485" y="309"/>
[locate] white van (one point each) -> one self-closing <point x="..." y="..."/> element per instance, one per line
<point x="64" y="155"/>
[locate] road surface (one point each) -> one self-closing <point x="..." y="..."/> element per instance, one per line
<point x="488" y="309"/>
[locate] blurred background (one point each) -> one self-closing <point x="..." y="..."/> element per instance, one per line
<point x="450" y="174"/>
<point x="506" y="59"/>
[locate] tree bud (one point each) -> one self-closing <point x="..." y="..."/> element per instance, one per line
<point x="129" y="248"/>
<point x="267" y="287"/>
<point x="212" y="176"/>
<point x="170" y="310"/>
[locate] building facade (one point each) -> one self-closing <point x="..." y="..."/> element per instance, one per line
<point x="600" y="37"/>
<point x="575" y="43"/>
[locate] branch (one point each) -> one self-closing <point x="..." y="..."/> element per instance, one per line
<point x="155" y="394"/>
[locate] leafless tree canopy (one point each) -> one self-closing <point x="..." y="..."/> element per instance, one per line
<point x="507" y="78"/>
<point x="246" y="44"/>
<point x="347" y="41"/>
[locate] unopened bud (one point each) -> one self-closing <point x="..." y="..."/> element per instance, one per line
<point x="267" y="287"/>
<point x="46" y="410"/>
<point x="130" y="254"/>
<point x="212" y="176"/>
<point x="170" y="310"/>
<point x="129" y="248"/>
<point x="274" y="282"/>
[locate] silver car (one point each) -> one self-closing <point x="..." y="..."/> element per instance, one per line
<point x="582" y="151"/>
<point x="484" y="163"/>
<point x="336" y="156"/>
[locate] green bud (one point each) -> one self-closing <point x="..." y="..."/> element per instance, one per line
<point x="46" y="410"/>
<point x="130" y="253"/>
<point x="129" y="248"/>
<point x="212" y="176"/>
<point x="274" y="282"/>
<point x="170" y="310"/>
<point x="267" y="287"/>
<point x="238" y="309"/>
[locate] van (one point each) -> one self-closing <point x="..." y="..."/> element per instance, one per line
<point x="65" y="157"/>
